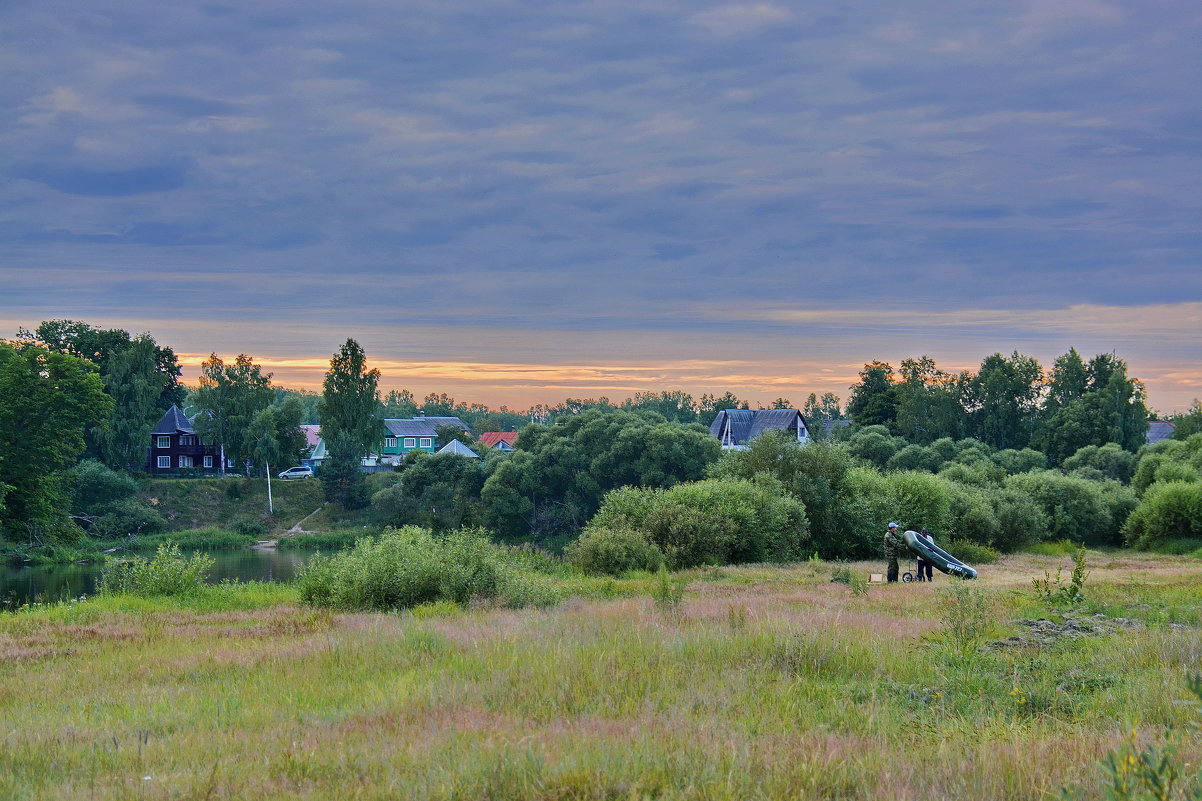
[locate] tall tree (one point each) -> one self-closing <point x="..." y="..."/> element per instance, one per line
<point x="1100" y="405"/>
<point x="350" y="424"/>
<point x="47" y="401"/>
<point x="229" y="397"/>
<point x="874" y="400"/>
<point x="928" y="402"/>
<point x="1001" y="400"/>
<point x="132" y="379"/>
<point x="350" y="400"/>
<point x="262" y="436"/>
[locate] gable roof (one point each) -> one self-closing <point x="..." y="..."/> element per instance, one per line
<point x="492" y="438"/>
<point x="173" y="422"/>
<point x="740" y="426"/>
<point x="410" y="427"/>
<point x="1159" y="430"/>
<point x="459" y="449"/>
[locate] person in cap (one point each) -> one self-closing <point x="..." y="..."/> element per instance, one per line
<point x="894" y="545"/>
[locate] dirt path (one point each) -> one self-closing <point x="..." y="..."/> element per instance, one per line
<point x="296" y="529"/>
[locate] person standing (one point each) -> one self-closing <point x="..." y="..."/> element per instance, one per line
<point x="894" y="545"/>
<point x="924" y="567"/>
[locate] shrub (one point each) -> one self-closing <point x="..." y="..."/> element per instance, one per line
<point x="815" y="474"/>
<point x="1172" y="509"/>
<point x="973" y="553"/>
<point x="915" y="457"/>
<point x="405" y="567"/>
<point x="1076" y="508"/>
<point x="168" y="573"/>
<point x="610" y="551"/>
<point x="1110" y="459"/>
<point x="125" y="518"/>
<point x="723" y="522"/>
<point x="973" y="517"/>
<point x="92" y="485"/>
<point x="250" y="526"/>
<point x="1020" y="518"/>
<point x="875" y="445"/>
<point x="1024" y="461"/>
<point x="920" y="500"/>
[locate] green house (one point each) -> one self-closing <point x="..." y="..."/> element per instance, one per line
<point x="402" y="436"/>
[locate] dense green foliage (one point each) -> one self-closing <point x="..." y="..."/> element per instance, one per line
<point x="438" y="491"/>
<point x="716" y="521"/>
<point x="48" y="400"/>
<point x="554" y="483"/>
<point x="613" y="551"/>
<point x="169" y="573"/>
<point x="228" y="400"/>
<point x="1008" y="403"/>
<point x="405" y="567"/>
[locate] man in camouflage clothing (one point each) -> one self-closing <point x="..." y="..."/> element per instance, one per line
<point x="895" y="545"/>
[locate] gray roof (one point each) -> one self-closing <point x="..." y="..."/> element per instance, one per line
<point x="458" y="448"/>
<point x="747" y="424"/>
<point x="1159" y="430"/>
<point x="174" y="422"/>
<point x="410" y="428"/>
<point x="421" y="426"/>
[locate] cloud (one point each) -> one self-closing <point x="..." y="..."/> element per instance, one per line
<point x="558" y="170"/>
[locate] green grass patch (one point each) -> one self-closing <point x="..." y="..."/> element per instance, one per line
<point x="327" y="541"/>
<point x="761" y="683"/>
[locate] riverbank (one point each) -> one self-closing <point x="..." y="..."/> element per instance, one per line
<point x="763" y="681"/>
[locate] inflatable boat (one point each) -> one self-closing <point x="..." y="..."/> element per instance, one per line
<point x="940" y="558"/>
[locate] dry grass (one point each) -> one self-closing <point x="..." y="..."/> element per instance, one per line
<point x="770" y="683"/>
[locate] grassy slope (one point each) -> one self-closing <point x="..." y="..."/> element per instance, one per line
<point x="768" y="683"/>
<point x="202" y="503"/>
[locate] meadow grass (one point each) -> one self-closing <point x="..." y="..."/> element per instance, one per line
<point x="765" y="682"/>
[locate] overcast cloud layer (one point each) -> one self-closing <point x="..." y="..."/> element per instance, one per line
<point x="518" y="201"/>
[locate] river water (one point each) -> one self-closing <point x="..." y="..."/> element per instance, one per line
<point x="24" y="584"/>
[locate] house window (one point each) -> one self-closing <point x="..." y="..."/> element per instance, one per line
<point x="410" y="442"/>
<point x="427" y="442"/>
<point x="163" y="442"/>
<point x="229" y="462"/>
<point x="389" y="442"/>
<point x="208" y="461"/>
<point x="185" y="461"/>
<point x="164" y="462"/>
<point x="187" y="439"/>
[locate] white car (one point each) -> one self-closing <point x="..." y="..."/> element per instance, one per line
<point x="297" y="472"/>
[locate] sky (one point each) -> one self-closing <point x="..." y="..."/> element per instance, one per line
<point x="519" y="202"/>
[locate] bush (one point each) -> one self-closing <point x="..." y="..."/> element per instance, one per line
<point x="915" y="457"/>
<point x="609" y="551"/>
<point x="1024" y="461"/>
<point x="921" y="500"/>
<point x="1076" y="508"/>
<point x="126" y="518"/>
<point x="1172" y="509"/>
<point x="1110" y="459"/>
<point x="727" y="522"/>
<point x="92" y="485"/>
<point x="1020" y="518"/>
<point x="250" y="526"/>
<point x="972" y="553"/>
<point x="405" y="567"/>
<point x="168" y="573"/>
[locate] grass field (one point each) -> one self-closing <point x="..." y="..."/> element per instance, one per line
<point x="764" y="682"/>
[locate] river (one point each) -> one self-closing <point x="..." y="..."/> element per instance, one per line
<point x="21" y="584"/>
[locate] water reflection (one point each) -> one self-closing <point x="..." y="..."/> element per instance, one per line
<point x="23" y="584"/>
